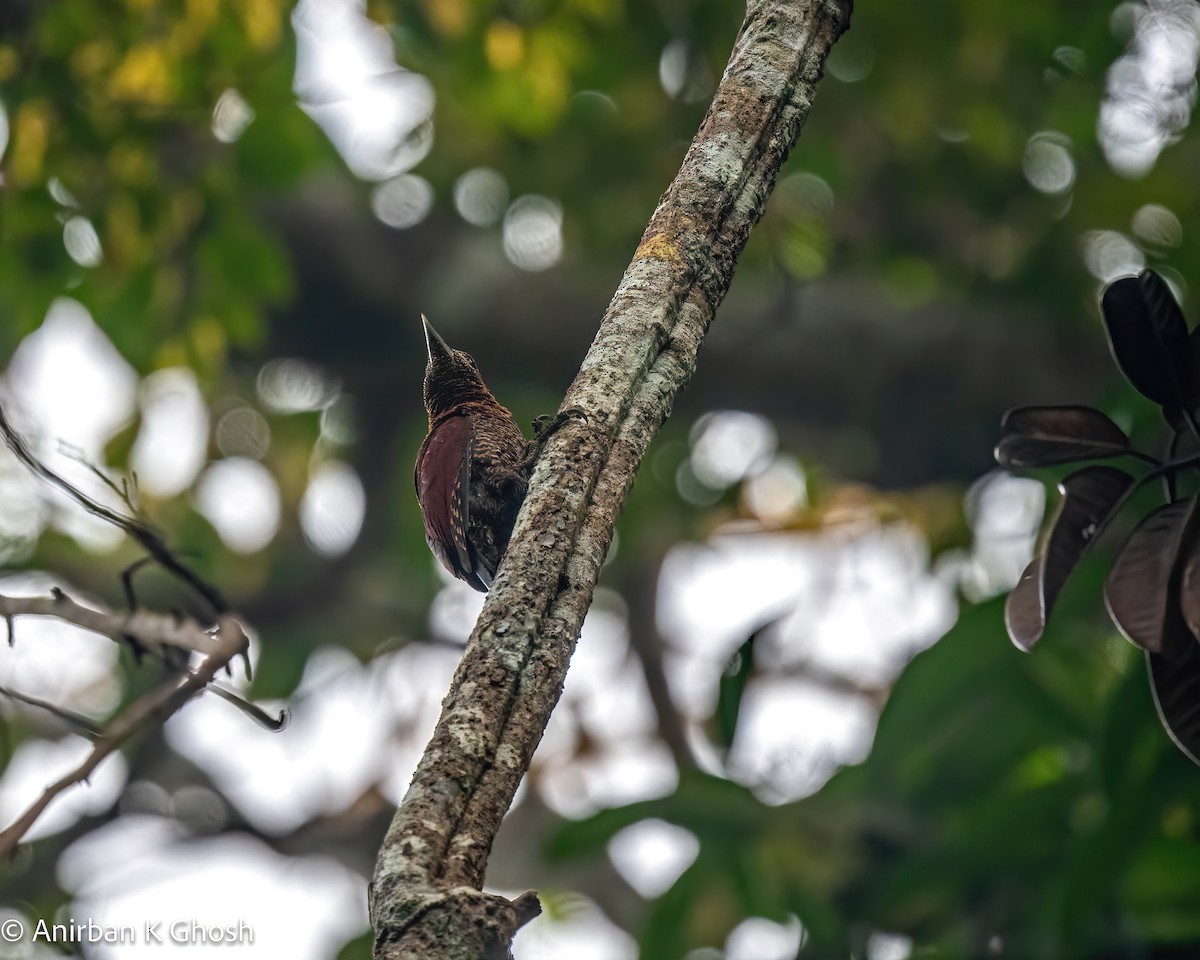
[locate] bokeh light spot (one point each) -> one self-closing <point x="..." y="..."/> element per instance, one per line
<point x="578" y="930"/>
<point x="792" y="735"/>
<point x="731" y="444"/>
<point x="70" y="379"/>
<point x="332" y="508"/>
<point x="777" y="492"/>
<point x="39" y="762"/>
<point x="804" y="194"/>
<point x="1151" y="89"/>
<point x="241" y="500"/>
<point x="376" y="113"/>
<point x="891" y="946"/>
<point x="1158" y="226"/>
<point x="82" y="242"/>
<point x="338" y="425"/>
<point x="231" y="116"/>
<point x="60" y="194"/>
<point x="58" y="661"/>
<point x="851" y="60"/>
<point x="651" y="855"/>
<point x="684" y="72"/>
<point x="295" y="386"/>
<point x="138" y="867"/>
<point x="243" y="432"/>
<point x="1005" y="514"/>
<point x="403" y="201"/>
<point x="1071" y="59"/>
<point x="1048" y="163"/>
<point x="172" y="442"/>
<point x="1108" y="255"/>
<point x="480" y="196"/>
<point x="533" y="232"/>
<point x="757" y="938"/>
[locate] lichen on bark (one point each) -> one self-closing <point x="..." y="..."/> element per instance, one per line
<point x="425" y="897"/>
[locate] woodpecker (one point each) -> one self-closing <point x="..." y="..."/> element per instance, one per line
<point x="473" y="467"/>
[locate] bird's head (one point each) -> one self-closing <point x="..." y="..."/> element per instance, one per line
<point x="451" y="376"/>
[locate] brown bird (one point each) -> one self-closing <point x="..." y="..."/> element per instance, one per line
<point x="473" y="467"/>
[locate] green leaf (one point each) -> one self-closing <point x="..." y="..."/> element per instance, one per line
<point x="702" y="803"/>
<point x="731" y="688"/>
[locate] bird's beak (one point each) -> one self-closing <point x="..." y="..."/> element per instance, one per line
<point x="434" y="345"/>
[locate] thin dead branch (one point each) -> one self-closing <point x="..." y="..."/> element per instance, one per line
<point x="141" y="532"/>
<point x="154" y="632"/>
<point x="252" y="710"/>
<point x="153" y="707"/>
<point x="151" y="631"/>
<point x="72" y="719"/>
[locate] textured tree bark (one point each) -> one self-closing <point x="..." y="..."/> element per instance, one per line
<point x="426" y="899"/>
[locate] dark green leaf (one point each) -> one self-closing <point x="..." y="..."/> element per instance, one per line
<point x="1176" y="687"/>
<point x="580" y="838"/>
<point x="359" y="948"/>
<point x="963" y="738"/>
<point x="1162" y="888"/>
<point x="1090" y="496"/>
<point x="1044" y="436"/>
<point x="732" y="687"/>
<point x="1023" y="615"/>
<point x="1142" y="590"/>
<point x="1130" y="737"/>
<point x="1148" y="338"/>
<point x="667" y="926"/>
<point x="1189" y="591"/>
<point x="704" y="804"/>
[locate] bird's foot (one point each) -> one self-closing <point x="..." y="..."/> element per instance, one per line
<point x="545" y="425"/>
<point x="544" y="428"/>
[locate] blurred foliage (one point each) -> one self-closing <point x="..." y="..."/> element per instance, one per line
<point x="906" y="285"/>
<point x="1029" y="806"/>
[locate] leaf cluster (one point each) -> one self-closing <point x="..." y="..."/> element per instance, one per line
<point x="1153" y="587"/>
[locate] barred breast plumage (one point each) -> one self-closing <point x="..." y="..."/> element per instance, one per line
<point x="472" y="470"/>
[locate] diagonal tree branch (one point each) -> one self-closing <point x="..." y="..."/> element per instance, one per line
<point x="426" y="901"/>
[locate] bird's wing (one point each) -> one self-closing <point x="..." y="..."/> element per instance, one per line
<point x="443" y="477"/>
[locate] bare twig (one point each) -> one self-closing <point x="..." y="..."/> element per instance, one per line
<point x="79" y="722"/>
<point x="835" y="681"/>
<point x="638" y="588"/>
<point x="146" y="536"/>
<point x="155" y="706"/>
<point x="159" y="633"/>
<point x="252" y="710"/>
<point x="126" y="491"/>
<point x="151" y="631"/>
